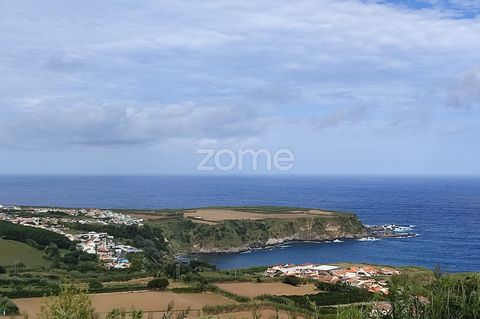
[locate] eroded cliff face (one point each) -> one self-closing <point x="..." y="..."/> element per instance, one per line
<point x="242" y="235"/>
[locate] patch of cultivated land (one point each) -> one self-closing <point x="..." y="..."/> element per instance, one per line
<point x="251" y="289"/>
<point x="217" y="215"/>
<point x="14" y="251"/>
<point x="148" y="301"/>
<point x="264" y="313"/>
<point x="153" y="216"/>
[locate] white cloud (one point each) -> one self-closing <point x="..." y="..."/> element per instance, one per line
<point x="53" y="122"/>
<point x="118" y="73"/>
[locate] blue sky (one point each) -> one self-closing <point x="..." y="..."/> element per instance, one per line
<point x="136" y="87"/>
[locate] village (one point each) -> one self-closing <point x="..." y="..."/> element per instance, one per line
<point x="84" y="216"/>
<point x="370" y="278"/>
<point x="110" y="252"/>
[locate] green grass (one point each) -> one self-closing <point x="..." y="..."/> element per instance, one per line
<point x="12" y="251"/>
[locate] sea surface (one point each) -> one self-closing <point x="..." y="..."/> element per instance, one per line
<point x="444" y="210"/>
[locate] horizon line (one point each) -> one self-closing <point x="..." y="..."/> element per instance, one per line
<point x="249" y="174"/>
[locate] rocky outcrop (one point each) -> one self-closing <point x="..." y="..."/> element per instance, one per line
<point x="244" y="235"/>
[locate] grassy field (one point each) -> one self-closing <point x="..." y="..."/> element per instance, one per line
<point x="252" y="289"/>
<point x="216" y="215"/>
<point x="13" y="251"/>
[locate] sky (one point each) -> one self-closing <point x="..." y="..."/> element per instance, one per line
<point x="138" y="87"/>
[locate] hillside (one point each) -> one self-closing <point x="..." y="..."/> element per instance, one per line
<point x="234" y="229"/>
<point x="14" y="251"/>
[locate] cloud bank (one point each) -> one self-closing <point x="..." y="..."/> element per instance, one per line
<point x="120" y="74"/>
<point x="54" y="123"/>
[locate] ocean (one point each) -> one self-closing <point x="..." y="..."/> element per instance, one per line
<point x="444" y="210"/>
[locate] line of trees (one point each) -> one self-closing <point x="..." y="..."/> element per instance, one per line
<point x="31" y="235"/>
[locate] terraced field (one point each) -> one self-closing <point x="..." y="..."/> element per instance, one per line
<point x="148" y="301"/>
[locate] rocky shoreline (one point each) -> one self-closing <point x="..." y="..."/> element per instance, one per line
<point x="371" y="233"/>
<point x="391" y="231"/>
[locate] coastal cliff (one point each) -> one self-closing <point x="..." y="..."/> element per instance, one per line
<point x="242" y="235"/>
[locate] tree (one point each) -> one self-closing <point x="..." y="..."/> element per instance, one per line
<point x="139" y="241"/>
<point x="151" y="251"/>
<point x="51" y="250"/>
<point x="72" y="303"/>
<point x="136" y="261"/>
<point x="2" y="270"/>
<point x="158" y="284"/>
<point x="80" y="260"/>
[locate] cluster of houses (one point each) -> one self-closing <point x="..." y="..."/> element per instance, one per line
<point x="365" y="277"/>
<point x="110" y="253"/>
<point x="98" y="216"/>
<point x="9" y="208"/>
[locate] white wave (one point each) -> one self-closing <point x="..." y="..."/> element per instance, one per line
<point x="368" y="239"/>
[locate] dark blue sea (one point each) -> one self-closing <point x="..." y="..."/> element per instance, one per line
<point x="445" y="210"/>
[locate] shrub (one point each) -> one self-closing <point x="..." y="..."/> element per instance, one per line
<point x="51" y="250"/>
<point x="7" y="306"/>
<point x="33" y="243"/>
<point x="338" y="286"/>
<point x="94" y="284"/>
<point x="72" y="303"/>
<point x="2" y="270"/>
<point x="228" y="294"/>
<point x="158" y="284"/>
<point x="291" y="280"/>
<point x="333" y="298"/>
